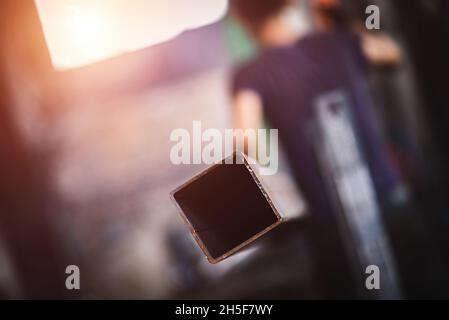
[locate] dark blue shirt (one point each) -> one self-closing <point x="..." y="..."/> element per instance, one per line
<point x="291" y="79"/>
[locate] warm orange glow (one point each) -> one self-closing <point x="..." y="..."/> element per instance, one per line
<point x="80" y="32"/>
<point x="84" y="27"/>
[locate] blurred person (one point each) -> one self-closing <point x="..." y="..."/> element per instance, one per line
<point x="294" y="69"/>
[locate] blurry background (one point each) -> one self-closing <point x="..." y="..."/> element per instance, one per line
<point x="85" y="171"/>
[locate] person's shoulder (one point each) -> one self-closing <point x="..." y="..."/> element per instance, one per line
<point x="246" y="67"/>
<point x="245" y="74"/>
<point x="249" y="69"/>
<point x="258" y="61"/>
<point x="252" y="73"/>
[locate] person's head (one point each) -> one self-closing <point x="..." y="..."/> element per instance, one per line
<point x="269" y="21"/>
<point x="329" y="14"/>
